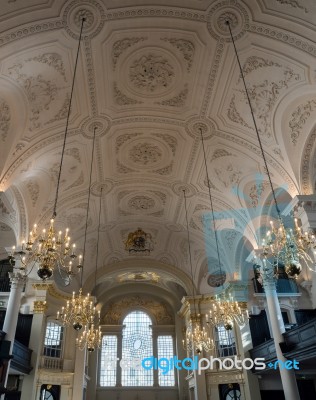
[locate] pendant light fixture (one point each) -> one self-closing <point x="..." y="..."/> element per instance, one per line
<point x="80" y="311"/>
<point x="51" y="248"/>
<point x="225" y="311"/>
<point x="91" y="337"/>
<point x="196" y="338"/>
<point x="282" y="245"/>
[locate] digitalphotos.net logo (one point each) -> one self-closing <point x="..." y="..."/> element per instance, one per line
<point x="199" y="364"/>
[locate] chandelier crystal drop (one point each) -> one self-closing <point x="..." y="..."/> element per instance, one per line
<point x="79" y="311"/>
<point x="226" y="312"/>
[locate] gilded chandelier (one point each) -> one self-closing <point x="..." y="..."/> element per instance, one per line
<point x="288" y="247"/>
<point x="196" y="338"/>
<point x="226" y="312"/>
<point x="90" y="339"/>
<point x="79" y="311"/>
<point x="47" y="249"/>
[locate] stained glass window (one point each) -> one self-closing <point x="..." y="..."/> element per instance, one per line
<point x="108" y="363"/>
<point x="53" y="340"/>
<point x="137" y="344"/>
<point x="165" y="350"/>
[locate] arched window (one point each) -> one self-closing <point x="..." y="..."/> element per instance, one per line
<point x="124" y="349"/>
<point x="137" y="344"/>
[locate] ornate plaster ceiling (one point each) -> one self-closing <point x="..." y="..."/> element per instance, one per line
<point x="150" y="76"/>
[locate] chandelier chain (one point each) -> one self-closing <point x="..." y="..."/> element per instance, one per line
<point x="255" y="123"/>
<point x="87" y="214"/>
<point x="212" y="208"/>
<point x="67" y="120"/>
<point x="190" y="254"/>
<point x="97" y="249"/>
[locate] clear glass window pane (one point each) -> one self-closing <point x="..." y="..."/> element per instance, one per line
<point x="137" y="344"/>
<point x="165" y="350"/>
<point x="108" y="361"/>
<point x="225" y="342"/>
<point x="53" y="340"/>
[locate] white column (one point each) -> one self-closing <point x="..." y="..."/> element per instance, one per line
<point x="288" y="377"/>
<point x="93" y="374"/>
<point x="11" y="318"/>
<point x="30" y="382"/>
<point x="79" y="381"/>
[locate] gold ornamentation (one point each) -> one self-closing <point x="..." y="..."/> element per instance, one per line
<point x="39" y="306"/>
<point x="118" y="309"/>
<point x="139" y="241"/>
<point x="139" y="277"/>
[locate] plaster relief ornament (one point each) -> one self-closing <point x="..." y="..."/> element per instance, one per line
<point x="145" y="153"/>
<point x="151" y="73"/>
<point x="139" y="241"/>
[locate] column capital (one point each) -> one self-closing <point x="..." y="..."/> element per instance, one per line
<point x="17" y="279"/>
<point x="39" y="306"/>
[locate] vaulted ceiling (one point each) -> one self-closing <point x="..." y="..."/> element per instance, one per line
<point x="151" y="75"/>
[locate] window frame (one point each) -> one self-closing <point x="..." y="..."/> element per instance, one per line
<point x="53" y="348"/>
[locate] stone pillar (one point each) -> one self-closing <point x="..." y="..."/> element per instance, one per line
<point x="288" y="377"/>
<point x="79" y="381"/>
<point x="18" y="281"/>
<point x="200" y="383"/>
<point x="29" y="388"/>
<point x="92" y="363"/>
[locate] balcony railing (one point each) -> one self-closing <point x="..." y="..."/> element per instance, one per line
<point x="299" y="343"/>
<point x="51" y="363"/>
<point x="264" y="350"/>
<point x="21" y="360"/>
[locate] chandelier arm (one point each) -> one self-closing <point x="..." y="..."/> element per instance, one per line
<point x="87" y="214"/>
<point x="255" y="124"/>
<point x="212" y="208"/>
<point x="67" y="120"/>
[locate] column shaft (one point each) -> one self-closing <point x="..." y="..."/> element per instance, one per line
<point x="11" y="318"/>
<point x="79" y="381"/>
<point x="277" y="326"/>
